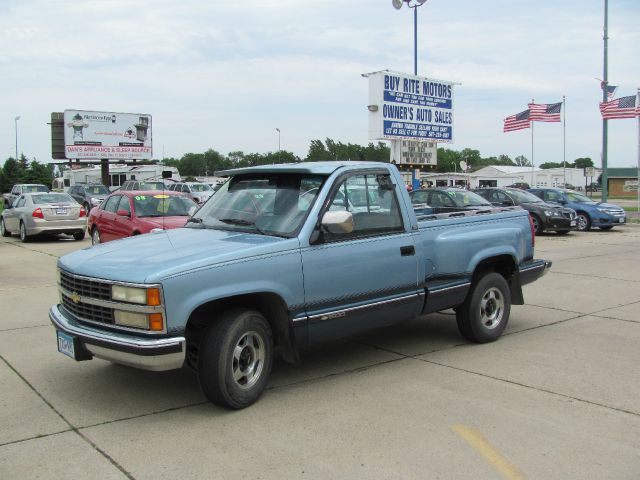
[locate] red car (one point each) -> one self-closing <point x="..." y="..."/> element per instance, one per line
<point x="126" y="213"/>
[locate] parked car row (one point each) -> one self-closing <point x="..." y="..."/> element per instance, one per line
<point x="127" y="212"/>
<point x="551" y="209"/>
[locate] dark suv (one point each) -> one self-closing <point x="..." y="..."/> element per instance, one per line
<point x="89" y="196"/>
<point x="544" y="216"/>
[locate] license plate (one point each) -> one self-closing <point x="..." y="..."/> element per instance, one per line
<point x="621" y="220"/>
<point x="573" y="223"/>
<point x="61" y="211"/>
<point x="65" y="345"/>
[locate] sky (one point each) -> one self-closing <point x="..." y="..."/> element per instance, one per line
<point x="226" y="74"/>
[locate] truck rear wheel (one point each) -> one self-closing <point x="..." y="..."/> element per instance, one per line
<point x="235" y="358"/>
<point x="484" y="314"/>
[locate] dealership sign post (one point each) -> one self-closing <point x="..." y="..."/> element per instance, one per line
<point x="410" y="108"/>
<point x="107" y="135"/>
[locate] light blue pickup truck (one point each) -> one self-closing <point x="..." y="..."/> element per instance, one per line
<point x="286" y="256"/>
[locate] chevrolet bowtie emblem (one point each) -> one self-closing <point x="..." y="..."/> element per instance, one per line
<point x="75" y="296"/>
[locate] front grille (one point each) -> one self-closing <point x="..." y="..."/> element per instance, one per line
<point x="85" y="287"/>
<point x="86" y="311"/>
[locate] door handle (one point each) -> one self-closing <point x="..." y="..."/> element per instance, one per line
<point x="407" y="250"/>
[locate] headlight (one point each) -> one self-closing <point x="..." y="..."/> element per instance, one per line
<point x="95" y="201"/>
<point x="549" y="213"/>
<point x="142" y="296"/>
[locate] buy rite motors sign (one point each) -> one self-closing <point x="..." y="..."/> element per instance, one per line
<point x="96" y="135"/>
<point x="407" y="107"/>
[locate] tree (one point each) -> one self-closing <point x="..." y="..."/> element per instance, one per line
<point x="39" y="173"/>
<point x="583" y="162"/>
<point x="547" y="165"/>
<point x="522" y="161"/>
<point x="317" y="152"/>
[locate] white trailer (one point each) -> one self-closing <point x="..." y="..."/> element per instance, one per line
<point x="119" y="173"/>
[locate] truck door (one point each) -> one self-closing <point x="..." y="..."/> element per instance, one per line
<point x="368" y="277"/>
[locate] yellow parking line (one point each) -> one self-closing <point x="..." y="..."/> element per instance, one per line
<point x="477" y="441"/>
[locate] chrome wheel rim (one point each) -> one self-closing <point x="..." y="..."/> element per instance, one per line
<point x="492" y="308"/>
<point x="248" y="360"/>
<point x="23" y="232"/>
<point x="2" y="228"/>
<point x="582" y="222"/>
<point x="95" y="237"/>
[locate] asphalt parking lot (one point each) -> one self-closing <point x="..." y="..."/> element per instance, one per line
<point x="557" y="397"/>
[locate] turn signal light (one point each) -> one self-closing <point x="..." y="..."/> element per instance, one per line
<point x="153" y="296"/>
<point x="155" y="322"/>
<point x="37" y="213"/>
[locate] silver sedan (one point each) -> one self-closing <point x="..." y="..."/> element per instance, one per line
<point x="44" y="213"/>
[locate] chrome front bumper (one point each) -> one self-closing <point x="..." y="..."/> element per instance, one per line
<point x="139" y="352"/>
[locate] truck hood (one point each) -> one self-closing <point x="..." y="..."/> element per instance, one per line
<point x="150" y="258"/>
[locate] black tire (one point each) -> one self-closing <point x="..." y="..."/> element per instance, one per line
<point x="3" y="229"/>
<point x="95" y="236"/>
<point x="24" y="238"/>
<point x="608" y="227"/>
<point x="78" y="236"/>
<point x="562" y="232"/>
<point x="584" y="222"/>
<point x="485" y="312"/>
<point x="235" y="358"/>
<point x="537" y="224"/>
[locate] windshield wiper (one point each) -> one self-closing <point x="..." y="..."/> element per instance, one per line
<point x="242" y="222"/>
<point x="195" y="220"/>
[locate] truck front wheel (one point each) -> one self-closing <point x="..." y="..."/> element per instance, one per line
<point x="484" y="314"/>
<point x="235" y="358"/>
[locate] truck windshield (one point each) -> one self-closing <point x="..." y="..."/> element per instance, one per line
<point x="269" y="203"/>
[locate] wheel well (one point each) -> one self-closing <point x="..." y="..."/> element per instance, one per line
<point x="270" y="305"/>
<point x="505" y="266"/>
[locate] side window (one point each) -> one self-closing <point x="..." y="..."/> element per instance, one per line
<point x="372" y="201"/>
<point x="501" y="198"/>
<point x="440" y="199"/>
<point x="111" y="204"/>
<point x="419" y="197"/>
<point x="124" y="204"/>
<point x="551" y="196"/>
<point x="20" y="202"/>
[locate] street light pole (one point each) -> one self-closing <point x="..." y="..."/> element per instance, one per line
<point x="397" y="4"/>
<point x="278" y="130"/>
<point x="16" y="125"/>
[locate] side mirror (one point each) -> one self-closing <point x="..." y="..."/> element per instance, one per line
<point x="338" y="222"/>
<point x="123" y="213"/>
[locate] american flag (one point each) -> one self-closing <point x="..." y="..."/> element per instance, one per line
<point x="517" y="121"/>
<point x="623" y="107"/>
<point x="545" y="112"/>
<point x="611" y="90"/>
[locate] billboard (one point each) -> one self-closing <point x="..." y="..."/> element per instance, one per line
<point x="124" y="136"/>
<point x="407" y="107"/>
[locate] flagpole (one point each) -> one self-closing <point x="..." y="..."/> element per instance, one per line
<point x="638" y="111"/>
<point x="605" y="177"/>
<point x="533" y="175"/>
<point x="564" y="141"/>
